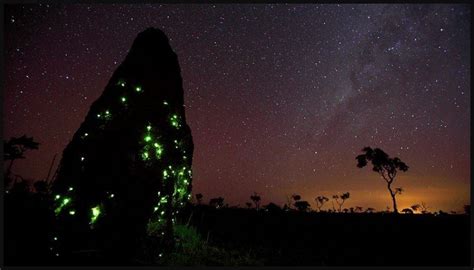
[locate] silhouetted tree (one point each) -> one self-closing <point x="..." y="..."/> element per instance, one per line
<point x="387" y="167"/>
<point x="14" y="149"/>
<point x="296" y="197"/>
<point x="199" y="198"/>
<point x="217" y="202"/>
<point x="248" y="204"/>
<point x="342" y="199"/>
<point x="256" y="200"/>
<point x="320" y="200"/>
<point x="407" y="211"/>
<point x="358" y="209"/>
<point x="302" y="205"/>
<point x="345" y="210"/>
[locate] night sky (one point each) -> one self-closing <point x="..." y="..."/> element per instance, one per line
<point x="280" y="98"/>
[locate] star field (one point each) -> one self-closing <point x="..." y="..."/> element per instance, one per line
<point x="280" y="98"/>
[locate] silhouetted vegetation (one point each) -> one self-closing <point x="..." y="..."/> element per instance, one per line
<point x="14" y="149"/>
<point x="320" y="200"/>
<point x="340" y="199"/>
<point x="384" y="165"/>
<point x="256" y="200"/>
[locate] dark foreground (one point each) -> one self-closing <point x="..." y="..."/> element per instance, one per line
<point x="236" y="236"/>
<point x="296" y="238"/>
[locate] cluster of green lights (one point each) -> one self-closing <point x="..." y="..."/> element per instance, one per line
<point x="106" y="115"/>
<point x="151" y="146"/>
<point x="62" y="204"/>
<point x="174" y="119"/>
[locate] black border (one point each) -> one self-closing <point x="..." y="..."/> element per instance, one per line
<point x="2" y="80"/>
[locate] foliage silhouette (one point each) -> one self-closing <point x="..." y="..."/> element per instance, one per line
<point x="302" y="205"/>
<point x="14" y="149"/>
<point x="407" y="211"/>
<point x="467" y="209"/>
<point x="341" y="199"/>
<point x="384" y="165"/>
<point x="320" y="200"/>
<point x="256" y="200"/>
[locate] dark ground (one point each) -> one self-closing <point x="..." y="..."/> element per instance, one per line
<point x="298" y="238"/>
<point x="236" y="236"/>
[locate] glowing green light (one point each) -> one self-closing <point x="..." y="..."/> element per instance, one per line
<point x="95" y="214"/>
<point x="112" y="195"/>
<point x="55" y="239"/>
<point x="162" y="212"/>
<point x="138" y="89"/>
<point x="147" y="138"/>
<point x="165" y="103"/>
<point x="145" y="155"/>
<point x="62" y="205"/>
<point x="82" y="158"/>
<point x="86" y="134"/>
<point x="148" y="128"/>
<point x="156" y="208"/>
<point x="71" y="189"/>
<point x="98" y="115"/>
<point x="123" y="99"/>
<point x="72" y="212"/>
<point x="107" y="112"/>
<point x="57" y="197"/>
<point x="165" y="173"/>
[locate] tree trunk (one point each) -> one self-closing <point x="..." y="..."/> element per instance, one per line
<point x="395" y="210"/>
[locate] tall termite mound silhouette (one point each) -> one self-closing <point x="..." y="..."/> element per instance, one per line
<point x="127" y="170"/>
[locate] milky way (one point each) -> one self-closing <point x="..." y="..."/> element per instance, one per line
<point x="280" y="98"/>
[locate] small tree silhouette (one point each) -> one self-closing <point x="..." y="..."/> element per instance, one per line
<point x="342" y="199"/>
<point x="296" y="197"/>
<point x="14" y="149"/>
<point x="358" y="209"/>
<point x="320" y="200"/>
<point x="302" y="205"/>
<point x="199" y="198"/>
<point x="387" y="167"/>
<point x="407" y="211"/>
<point x="256" y="200"/>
